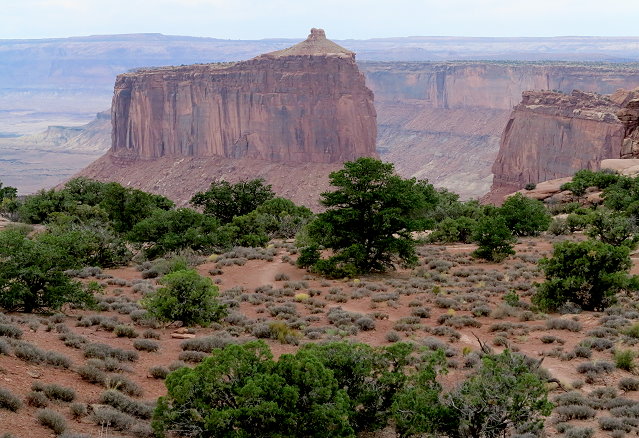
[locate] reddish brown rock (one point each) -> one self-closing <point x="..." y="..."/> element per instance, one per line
<point x="552" y="135"/>
<point x="307" y="103"/>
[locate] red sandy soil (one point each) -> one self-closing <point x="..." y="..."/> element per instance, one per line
<point x="18" y="376"/>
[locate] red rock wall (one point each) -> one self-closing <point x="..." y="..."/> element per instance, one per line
<point x="552" y="135"/>
<point x="291" y="109"/>
<point x="443" y="120"/>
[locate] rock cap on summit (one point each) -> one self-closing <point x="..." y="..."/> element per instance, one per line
<point x="315" y="45"/>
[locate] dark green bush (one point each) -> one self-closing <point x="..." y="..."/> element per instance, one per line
<point x="369" y="219"/>
<point x="32" y="273"/>
<point x="224" y="200"/>
<point x="524" y="216"/>
<point x="171" y="230"/>
<point x="494" y="239"/>
<point x="187" y="297"/>
<point x="588" y="273"/>
<point x="292" y="397"/>
<point x="585" y="178"/>
<point x="452" y="230"/>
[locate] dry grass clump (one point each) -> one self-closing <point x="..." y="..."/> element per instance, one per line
<point x="52" y="419"/>
<point x="9" y="401"/>
<point x="126" y="404"/>
<point x="146" y="345"/>
<point x="31" y="353"/>
<point x="10" y="331"/>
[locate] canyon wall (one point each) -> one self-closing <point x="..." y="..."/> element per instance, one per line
<point x="443" y="121"/>
<point x="551" y="135"/>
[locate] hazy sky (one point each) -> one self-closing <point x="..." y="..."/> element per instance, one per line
<point x="342" y="19"/>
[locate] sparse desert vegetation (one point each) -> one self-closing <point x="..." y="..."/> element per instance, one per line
<point x="446" y="329"/>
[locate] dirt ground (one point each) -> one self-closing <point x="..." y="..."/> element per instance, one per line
<point x="447" y="285"/>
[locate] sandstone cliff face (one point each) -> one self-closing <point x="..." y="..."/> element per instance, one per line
<point x="308" y="103"/>
<point x="443" y="121"/>
<point x="290" y="117"/>
<point x="552" y="135"/>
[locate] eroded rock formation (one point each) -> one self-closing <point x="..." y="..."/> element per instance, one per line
<point x="290" y="117"/>
<point x="443" y="120"/>
<point x="307" y="103"/>
<point x="551" y="135"/>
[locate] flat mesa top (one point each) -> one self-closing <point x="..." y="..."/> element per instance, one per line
<point x="315" y="44"/>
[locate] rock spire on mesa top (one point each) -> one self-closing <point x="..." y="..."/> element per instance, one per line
<point x="315" y="45"/>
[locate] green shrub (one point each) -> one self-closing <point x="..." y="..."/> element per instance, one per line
<point x="185" y="296"/>
<point x="173" y="230"/>
<point x="224" y="200"/>
<point x="452" y="230"/>
<point x="585" y="178"/>
<point x="291" y="397"/>
<point x="32" y="273"/>
<point x="625" y="360"/>
<point x="588" y="274"/>
<point x="612" y="228"/>
<point x="369" y="219"/>
<point x="524" y="216"/>
<point x="493" y="238"/>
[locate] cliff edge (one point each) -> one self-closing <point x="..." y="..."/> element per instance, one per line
<point x="552" y="135"/>
<point x="305" y="104"/>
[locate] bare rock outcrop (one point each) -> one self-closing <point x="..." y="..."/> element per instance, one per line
<point x="307" y="103"/>
<point x="290" y="117"/>
<point x="443" y="120"/>
<point x="552" y="135"/>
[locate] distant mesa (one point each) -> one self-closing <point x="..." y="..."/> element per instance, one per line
<point x="304" y="104"/>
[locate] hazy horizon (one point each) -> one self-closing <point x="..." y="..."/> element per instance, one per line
<point x="345" y="19"/>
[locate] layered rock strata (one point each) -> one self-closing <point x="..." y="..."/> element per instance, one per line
<point x="307" y="103"/>
<point x="443" y="120"/>
<point x="551" y="135"/>
<point x="289" y="117"/>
